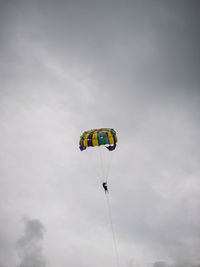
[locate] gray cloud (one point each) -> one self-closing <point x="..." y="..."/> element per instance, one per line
<point x="29" y="246"/>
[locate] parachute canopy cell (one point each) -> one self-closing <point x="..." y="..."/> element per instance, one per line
<point x="98" y="137"/>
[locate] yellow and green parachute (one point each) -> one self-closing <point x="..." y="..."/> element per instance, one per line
<point x="98" y="137"/>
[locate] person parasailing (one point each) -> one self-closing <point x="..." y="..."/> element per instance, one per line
<point x="104" y="184"/>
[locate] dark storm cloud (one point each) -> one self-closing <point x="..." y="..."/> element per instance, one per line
<point x="137" y="51"/>
<point x="29" y="246"/>
<point x="144" y="41"/>
<point x="134" y="40"/>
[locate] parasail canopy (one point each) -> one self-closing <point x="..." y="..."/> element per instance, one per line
<point x="98" y="137"/>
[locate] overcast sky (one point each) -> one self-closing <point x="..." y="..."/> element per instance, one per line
<point x="71" y="65"/>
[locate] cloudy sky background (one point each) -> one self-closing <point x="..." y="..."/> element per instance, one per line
<point x="68" y="66"/>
